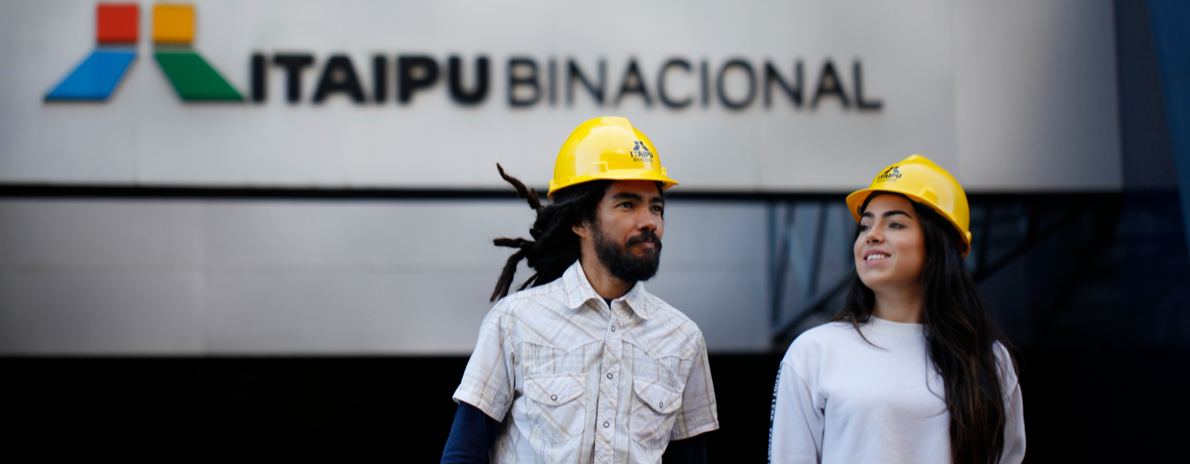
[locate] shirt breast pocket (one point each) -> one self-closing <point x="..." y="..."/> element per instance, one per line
<point x="654" y="410"/>
<point x="557" y="410"/>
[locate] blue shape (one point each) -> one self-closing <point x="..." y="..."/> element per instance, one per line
<point x="1171" y="34"/>
<point x="95" y="78"/>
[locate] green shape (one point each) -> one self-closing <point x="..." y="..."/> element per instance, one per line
<point x="194" y="78"/>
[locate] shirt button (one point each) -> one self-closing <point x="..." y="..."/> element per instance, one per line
<point x="606" y="424"/>
<point x="554" y="397"/>
<point x="609" y="376"/>
<point x="613" y="329"/>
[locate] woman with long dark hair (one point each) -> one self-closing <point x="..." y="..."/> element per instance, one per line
<point x="911" y="368"/>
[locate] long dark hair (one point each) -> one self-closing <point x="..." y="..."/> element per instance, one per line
<point x="960" y="337"/>
<point x="554" y="246"/>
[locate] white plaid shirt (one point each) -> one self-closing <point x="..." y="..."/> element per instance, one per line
<point x="585" y="383"/>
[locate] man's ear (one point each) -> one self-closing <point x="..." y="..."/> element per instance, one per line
<point x="581" y="229"/>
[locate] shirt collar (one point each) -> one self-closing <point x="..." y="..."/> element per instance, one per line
<point x="579" y="292"/>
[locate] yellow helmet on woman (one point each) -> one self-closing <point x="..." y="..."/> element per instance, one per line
<point x="607" y="148"/>
<point x="922" y="181"/>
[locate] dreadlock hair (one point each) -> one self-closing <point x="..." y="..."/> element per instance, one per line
<point x="554" y="246"/>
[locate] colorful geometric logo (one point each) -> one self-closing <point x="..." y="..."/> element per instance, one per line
<point x="191" y="75"/>
<point x="117" y="31"/>
<point x="97" y="76"/>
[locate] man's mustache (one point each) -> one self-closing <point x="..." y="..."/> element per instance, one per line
<point x="644" y="237"/>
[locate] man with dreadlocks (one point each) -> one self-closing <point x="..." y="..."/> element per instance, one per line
<point x="582" y="365"/>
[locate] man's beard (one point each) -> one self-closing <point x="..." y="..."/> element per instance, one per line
<point x="622" y="263"/>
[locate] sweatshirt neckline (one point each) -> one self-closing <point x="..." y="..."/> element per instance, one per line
<point x="893" y="327"/>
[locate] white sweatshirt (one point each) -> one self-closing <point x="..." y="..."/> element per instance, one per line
<point x="840" y="399"/>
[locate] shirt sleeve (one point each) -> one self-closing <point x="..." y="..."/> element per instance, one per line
<point x="795" y="434"/>
<point x="488" y="380"/>
<point x="1014" y="424"/>
<point x="699" y="412"/>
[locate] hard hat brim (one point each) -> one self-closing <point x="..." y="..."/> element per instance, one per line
<point x="856" y="199"/>
<point x="617" y="175"/>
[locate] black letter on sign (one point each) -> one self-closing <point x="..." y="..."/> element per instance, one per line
<point x="380" y="78"/>
<point x="859" y="91"/>
<point x="793" y="91"/>
<point x="258" y="77"/>
<point x="751" y="84"/>
<point x="456" y="81"/>
<point x="414" y="72"/>
<point x="706" y="84"/>
<point x="834" y="87"/>
<point x="293" y="64"/>
<point x="633" y="74"/>
<point x="573" y="72"/>
<point x="681" y="63"/>
<point x="514" y="81"/>
<point x="339" y="76"/>
<point x="553" y="81"/>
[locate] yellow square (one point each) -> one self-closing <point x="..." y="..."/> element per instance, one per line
<point x="173" y="23"/>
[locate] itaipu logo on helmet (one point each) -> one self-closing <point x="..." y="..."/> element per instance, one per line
<point x="891" y="174"/>
<point x="641" y="153"/>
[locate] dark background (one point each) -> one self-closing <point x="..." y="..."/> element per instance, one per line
<point x="1081" y="405"/>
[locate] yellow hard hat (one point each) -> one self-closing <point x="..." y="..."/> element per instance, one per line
<point x="607" y="148"/>
<point x="925" y="182"/>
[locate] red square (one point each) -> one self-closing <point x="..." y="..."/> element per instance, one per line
<point x="117" y="22"/>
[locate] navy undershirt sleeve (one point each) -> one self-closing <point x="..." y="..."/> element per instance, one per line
<point x="471" y="436"/>
<point x="689" y="450"/>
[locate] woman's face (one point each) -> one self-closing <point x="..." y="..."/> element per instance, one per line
<point x="890" y="249"/>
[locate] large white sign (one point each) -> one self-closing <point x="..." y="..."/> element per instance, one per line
<point x="736" y="96"/>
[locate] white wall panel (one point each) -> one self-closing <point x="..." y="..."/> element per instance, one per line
<point x="730" y="305"/>
<point x="347" y="312"/>
<point x="1037" y="96"/>
<point x="1016" y="95"/>
<point x="321" y="277"/>
<point x="100" y="235"/>
<point x="109" y="312"/>
<point x="365" y="235"/>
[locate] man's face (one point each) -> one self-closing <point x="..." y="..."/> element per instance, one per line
<point x="627" y="234"/>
